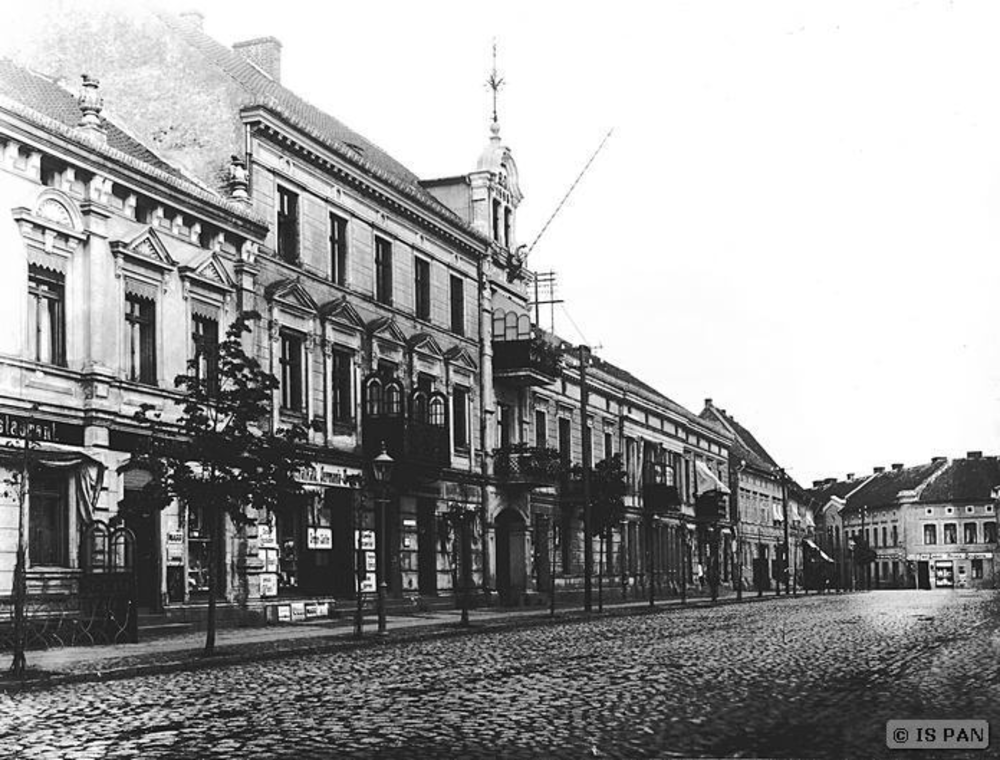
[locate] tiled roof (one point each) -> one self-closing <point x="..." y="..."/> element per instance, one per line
<point x="964" y="480"/>
<point x="261" y="90"/>
<point x="881" y="489"/>
<point x="51" y="99"/>
<point x="839" y="488"/>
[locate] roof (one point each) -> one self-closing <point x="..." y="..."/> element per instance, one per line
<point x="837" y="488"/>
<point x="44" y="102"/>
<point x="883" y="488"/>
<point x="964" y="480"/>
<point x="745" y="445"/>
<point x="48" y="97"/>
<point x="261" y="90"/>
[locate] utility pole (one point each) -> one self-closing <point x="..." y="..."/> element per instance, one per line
<point x="784" y="509"/>
<point x="588" y="556"/>
<point x="738" y="522"/>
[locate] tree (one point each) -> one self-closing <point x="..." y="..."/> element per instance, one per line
<point x="223" y="458"/>
<point x="608" y="486"/>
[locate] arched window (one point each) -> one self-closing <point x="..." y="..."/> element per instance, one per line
<point x="510" y="326"/>
<point x="394" y="399"/>
<point x="523" y="327"/>
<point x="419" y="407"/>
<point x="373" y="397"/>
<point x="438" y="407"/>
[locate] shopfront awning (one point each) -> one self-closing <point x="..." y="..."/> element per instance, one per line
<point x="812" y="545"/>
<point x="88" y="473"/>
<point x="706" y="480"/>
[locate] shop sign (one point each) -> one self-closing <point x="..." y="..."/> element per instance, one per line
<point x="269" y="586"/>
<point x="370" y="562"/>
<point x="265" y="536"/>
<point x="284" y="613"/>
<point x="319" y="538"/>
<point x="367" y="540"/>
<point x="298" y="612"/>
<point x="311" y="610"/>
<point x="18" y="426"/>
<point x="328" y="475"/>
<point x="175" y="547"/>
<point x="980" y="555"/>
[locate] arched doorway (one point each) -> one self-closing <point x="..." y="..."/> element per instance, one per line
<point x="511" y="533"/>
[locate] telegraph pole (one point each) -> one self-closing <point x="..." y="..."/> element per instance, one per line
<point x="588" y="557"/>
<point x="784" y="508"/>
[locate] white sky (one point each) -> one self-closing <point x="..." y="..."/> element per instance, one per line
<point x="797" y="215"/>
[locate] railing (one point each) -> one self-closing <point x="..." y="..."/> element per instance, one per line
<point x="527" y="465"/>
<point x="407" y="441"/>
<point x="531" y="359"/>
<point x="659" y="494"/>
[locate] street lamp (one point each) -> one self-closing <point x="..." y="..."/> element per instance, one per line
<point x="382" y="473"/>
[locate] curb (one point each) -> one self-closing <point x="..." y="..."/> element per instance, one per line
<point x="344" y="641"/>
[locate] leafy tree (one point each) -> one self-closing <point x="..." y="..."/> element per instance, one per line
<point x="223" y="458"/>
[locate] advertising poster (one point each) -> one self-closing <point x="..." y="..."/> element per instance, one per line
<point x="269" y="584"/>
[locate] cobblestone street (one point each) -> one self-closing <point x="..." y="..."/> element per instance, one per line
<point x="811" y="677"/>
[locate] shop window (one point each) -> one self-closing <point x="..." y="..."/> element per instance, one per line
<point x="950" y="533"/>
<point x="140" y="330"/>
<point x="47" y="316"/>
<point x="338" y="249"/>
<point x="970" y="533"/>
<point x="989" y="532"/>
<point x="205" y="338"/>
<point x="291" y="361"/>
<point x="342" y="380"/>
<point x="460" y="417"/>
<point x="201" y="525"/>
<point x="287" y="531"/>
<point x="383" y="271"/>
<point x="977" y="569"/>
<point x="930" y="535"/>
<point x="422" y="288"/>
<point x="48" y="521"/>
<point x="288" y="225"/>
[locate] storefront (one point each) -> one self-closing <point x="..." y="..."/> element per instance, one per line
<point x="306" y="546"/>
<point x="948" y="570"/>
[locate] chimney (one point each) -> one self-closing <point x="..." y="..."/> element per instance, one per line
<point x="194" y="18"/>
<point x="265" y="52"/>
<point x="936" y="460"/>
<point x="708" y="403"/>
<point x="897" y="466"/>
<point x="850" y="476"/>
<point x="819" y="483"/>
<point x="878" y="470"/>
<point x="974" y="455"/>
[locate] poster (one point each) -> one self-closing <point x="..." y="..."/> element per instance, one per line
<point x="367" y="540"/>
<point x="268" y="584"/>
<point x="319" y="538"/>
<point x="265" y="535"/>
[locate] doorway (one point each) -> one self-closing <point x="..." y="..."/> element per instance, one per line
<point x="427" y="546"/>
<point x="145" y="526"/>
<point x="924" y="575"/>
<point x="511" y="574"/>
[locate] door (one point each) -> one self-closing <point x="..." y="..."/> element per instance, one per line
<point x="427" y="546"/>
<point x="511" y="571"/>
<point x="924" y="575"/>
<point x="147" y="558"/>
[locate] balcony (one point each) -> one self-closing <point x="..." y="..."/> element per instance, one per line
<point x="410" y="443"/>
<point x="527" y="466"/>
<point x="525" y="362"/>
<point x="659" y="494"/>
<point x="712" y="507"/>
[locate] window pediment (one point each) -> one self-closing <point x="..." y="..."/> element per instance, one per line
<point x="146" y="249"/>
<point x="210" y="273"/>
<point x="291" y="296"/>
<point x="460" y="355"/>
<point x="341" y="311"/>
<point x="386" y="329"/>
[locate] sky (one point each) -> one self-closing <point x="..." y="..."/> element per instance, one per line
<point x="797" y="214"/>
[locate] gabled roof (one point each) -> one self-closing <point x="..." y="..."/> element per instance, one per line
<point x="883" y="488"/>
<point x="964" y="480"/>
<point x="836" y="488"/>
<point x="260" y="90"/>
<point x="745" y="446"/>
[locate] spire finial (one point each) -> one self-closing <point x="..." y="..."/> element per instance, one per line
<point x="495" y="82"/>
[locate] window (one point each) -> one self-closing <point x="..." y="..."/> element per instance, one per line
<point x="885" y="541"/>
<point x="504" y="424"/>
<point x="506" y="226"/>
<point x="496" y="220"/>
<point x="874" y="536"/>
<point x="609" y="446"/>
<point x="291" y="370"/>
<point x="394" y="399"/>
<point x="438" y="415"/>
<point x="977" y="569"/>
<point x="422" y="288"/>
<point x="342" y="378"/>
<point x="338" y="249"/>
<point x="288" y="225"/>
<point x="565" y="441"/>
<point x="373" y="398"/>
<point x="541" y="429"/>
<point x="48" y="516"/>
<point x="420" y="408"/>
<point x="588" y="447"/>
<point x="383" y="271"/>
<point x="46" y="316"/>
<point x="970" y="532"/>
<point x="460" y="409"/>
<point x="457" y="305"/>
<point x="205" y="337"/>
<point x="930" y="535"/>
<point x="140" y="330"/>
<point x="895" y="535"/>
<point x="950" y="533"/>
<point x="989" y="532"/>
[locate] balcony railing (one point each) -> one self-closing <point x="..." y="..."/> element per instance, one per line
<point x="531" y="361"/>
<point x="528" y="466"/>
<point x="407" y="441"/>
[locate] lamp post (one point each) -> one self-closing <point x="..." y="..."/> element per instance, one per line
<point x="382" y="474"/>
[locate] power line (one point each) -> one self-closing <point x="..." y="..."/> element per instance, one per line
<point x="572" y="322"/>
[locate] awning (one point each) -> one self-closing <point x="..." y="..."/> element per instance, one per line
<point x="706" y="480"/>
<point x="88" y="473"/>
<point x="812" y="545"/>
<point x="777" y="512"/>
<point x="809" y="521"/>
<point x="794" y="509"/>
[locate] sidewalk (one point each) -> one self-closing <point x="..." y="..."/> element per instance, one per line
<point x="50" y="667"/>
